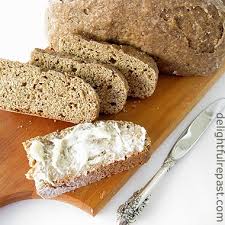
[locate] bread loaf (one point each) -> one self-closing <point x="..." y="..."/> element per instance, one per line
<point x="139" y="69"/>
<point x="185" y="37"/>
<point x="27" y="89"/>
<point x="64" y="161"/>
<point x="109" y="83"/>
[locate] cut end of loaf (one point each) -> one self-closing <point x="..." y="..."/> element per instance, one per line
<point x="80" y="155"/>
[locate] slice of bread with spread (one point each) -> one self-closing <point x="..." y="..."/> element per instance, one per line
<point x="66" y="160"/>
<point x="109" y="83"/>
<point x="138" y="68"/>
<point x="27" y="89"/>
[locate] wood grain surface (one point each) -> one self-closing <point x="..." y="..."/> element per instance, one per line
<point x="159" y="114"/>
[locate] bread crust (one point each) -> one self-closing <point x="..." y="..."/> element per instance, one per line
<point x="185" y="37"/>
<point x="99" y="172"/>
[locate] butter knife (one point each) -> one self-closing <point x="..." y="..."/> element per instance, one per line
<point x="129" y="211"/>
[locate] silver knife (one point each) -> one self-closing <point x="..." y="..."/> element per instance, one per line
<point x="127" y="213"/>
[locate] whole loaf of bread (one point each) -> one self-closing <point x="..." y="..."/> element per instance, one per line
<point x="185" y="37"/>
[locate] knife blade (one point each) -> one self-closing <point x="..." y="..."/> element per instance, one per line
<point x="129" y="211"/>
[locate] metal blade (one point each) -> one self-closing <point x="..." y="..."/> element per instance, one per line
<point x="196" y="129"/>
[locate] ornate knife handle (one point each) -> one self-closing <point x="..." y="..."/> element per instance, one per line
<point x="128" y="212"/>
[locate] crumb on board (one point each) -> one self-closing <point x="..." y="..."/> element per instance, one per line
<point x="102" y="194"/>
<point x="124" y="110"/>
<point x="137" y="101"/>
<point x="25" y="124"/>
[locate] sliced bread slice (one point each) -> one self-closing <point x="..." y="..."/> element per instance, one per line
<point x="138" y="68"/>
<point x="109" y="83"/>
<point x="27" y="89"/>
<point x="77" y="156"/>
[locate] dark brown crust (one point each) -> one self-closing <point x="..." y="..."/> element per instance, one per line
<point x="100" y="173"/>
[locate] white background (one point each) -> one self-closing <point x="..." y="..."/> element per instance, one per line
<point x="187" y="194"/>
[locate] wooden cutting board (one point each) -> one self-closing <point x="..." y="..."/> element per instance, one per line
<point x="159" y="114"/>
